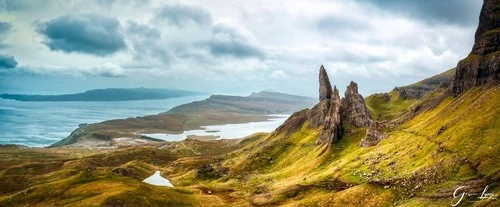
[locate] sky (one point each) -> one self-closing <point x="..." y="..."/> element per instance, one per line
<point x="229" y="47"/>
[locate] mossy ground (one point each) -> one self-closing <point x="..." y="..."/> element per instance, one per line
<point x="387" y="106"/>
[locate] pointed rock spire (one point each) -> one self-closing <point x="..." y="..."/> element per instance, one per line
<point x="325" y="88"/>
<point x="327" y="112"/>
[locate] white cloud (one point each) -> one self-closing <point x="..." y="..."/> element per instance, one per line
<point x="249" y="42"/>
<point x="105" y="70"/>
<point x="279" y="74"/>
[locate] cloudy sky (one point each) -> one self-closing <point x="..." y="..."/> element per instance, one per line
<point x="229" y="47"/>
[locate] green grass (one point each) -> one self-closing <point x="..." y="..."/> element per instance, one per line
<point x="382" y="109"/>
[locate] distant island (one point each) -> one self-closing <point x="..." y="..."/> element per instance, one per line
<point x="108" y="94"/>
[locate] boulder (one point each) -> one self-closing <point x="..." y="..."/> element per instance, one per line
<point x="374" y="135"/>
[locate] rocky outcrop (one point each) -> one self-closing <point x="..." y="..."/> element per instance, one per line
<point x="327" y="114"/>
<point x="331" y="112"/>
<point x="325" y="88"/>
<point x="353" y="110"/>
<point x="486" y="38"/>
<point x="482" y="66"/>
<point x="374" y="135"/>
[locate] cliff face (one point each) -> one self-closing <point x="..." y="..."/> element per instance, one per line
<point x="327" y="114"/>
<point x="353" y="110"/>
<point x="482" y="66"/>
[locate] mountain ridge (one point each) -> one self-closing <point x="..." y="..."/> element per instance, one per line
<point x="107" y="94"/>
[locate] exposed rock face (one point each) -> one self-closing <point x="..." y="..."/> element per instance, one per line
<point x="331" y="113"/>
<point x="373" y="136"/>
<point x="487" y="40"/>
<point x="325" y="88"/>
<point x="353" y="110"/>
<point x="327" y="114"/>
<point x="482" y="66"/>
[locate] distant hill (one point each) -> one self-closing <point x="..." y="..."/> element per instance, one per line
<point x="216" y="110"/>
<point x="386" y="106"/>
<point x="264" y="102"/>
<point x="419" y="89"/>
<point x="108" y="94"/>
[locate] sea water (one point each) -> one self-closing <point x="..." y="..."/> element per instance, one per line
<point x="41" y="124"/>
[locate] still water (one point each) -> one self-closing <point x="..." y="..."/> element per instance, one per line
<point x="226" y="131"/>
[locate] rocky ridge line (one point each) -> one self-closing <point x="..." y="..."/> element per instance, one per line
<point x="482" y="66"/>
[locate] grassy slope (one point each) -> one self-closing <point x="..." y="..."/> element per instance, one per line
<point x="415" y="162"/>
<point x="73" y="177"/>
<point x="386" y="106"/>
<point x="420" y="164"/>
<point x="382" y="109"/>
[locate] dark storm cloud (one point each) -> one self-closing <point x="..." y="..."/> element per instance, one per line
<point x="231" y="41"/>
<point x="144" y="40"/>
<point x="462" y="12"/>
<point x="7" y="62"/>
<point x="84" y="33"/>
<point x="179" y="14"/>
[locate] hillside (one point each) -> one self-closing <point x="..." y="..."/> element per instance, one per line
<point x="264" y="102"/>
<point x="108" y="94"/>
<point x="421" y="88"/>
<point x="286" y="167"/>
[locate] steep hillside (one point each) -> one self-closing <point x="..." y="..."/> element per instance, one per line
<point x="406" y="168"/>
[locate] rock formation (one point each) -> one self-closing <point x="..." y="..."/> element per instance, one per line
<point x="353" y="110"/>
<point x="482" y="66"/>
<point x="325" y="88"/>
<point x="331" y="113"/>
<point x="327" y="114"/>
<point x="374" y="135"/>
